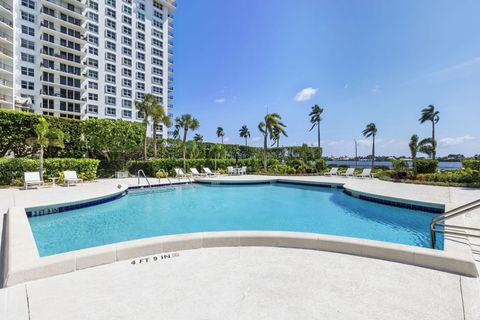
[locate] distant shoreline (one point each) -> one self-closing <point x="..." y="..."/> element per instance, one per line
<point x="444" y="165"/>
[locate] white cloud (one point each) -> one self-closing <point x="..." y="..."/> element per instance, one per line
<point x="306" y="94"/>
<point x="453" y="141"/>
<point x="226" y="139"/>
<point x="220" y="100"/>
<point x="376" y="89"/>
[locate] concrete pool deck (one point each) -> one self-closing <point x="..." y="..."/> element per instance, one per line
<point x="447" y="196"/>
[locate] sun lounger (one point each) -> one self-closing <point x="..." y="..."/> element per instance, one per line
<point x="209" y="172"/>
<point x="32" y="179"/>
<point x="70" y="177"/>
<point x="349" y="173"/>
<point x="195" y="172"/>
<point x="181" y="174"/>
<point x="366" y="173"/>
<point x="332" y="172"/>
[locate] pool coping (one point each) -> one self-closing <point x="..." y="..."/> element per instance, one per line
<point x="23" y="263"/>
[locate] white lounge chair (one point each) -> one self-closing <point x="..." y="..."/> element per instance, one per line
<point x="181" y="174"/>
<point x="366" y="173"/>
<point x="209" y="172"/>
<point x="32" y="179"/>
<point x="231" y="171"/>
<point x="195" y="172"/>
<point x="333" y="172"/>
<point x="243" y="171"/>
<point x="349" y="173"/>
<point x="70" y="177"/>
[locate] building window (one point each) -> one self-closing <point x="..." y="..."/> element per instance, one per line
<point x="28" y="3"/>
<point x="110" y="45"/>
<point x="140" y="86"/>
<point x="127" y="20"/>
<point x="93" y="5"/>
<point x="110" y="78"/>
<point x="127" y="82"/>
<point x="28" y="72"/>
<point x="93" y="85"/>
<point x="140" y="16"/>
<point x="110" y="111"/>
<point x="157" y="90"/>
<point x="126" y="72"/>
<point x="28" y="85"/>
<point x="126" y="41"/>
<point x="110" y="34"/>
<point x="112" y="3"/>
<point x="28" y="57"/>
<point x="28" y="17"/>
<point x="127" y="93"/>
<point x="140" y="56"/>
<point x="28" y="30"/>
<point x="93" y="51"/>
<point x="92" y="108"/>
<point x="92" y="16"/>
<point x="127" y="104"/>
<point x="141" y="66"/>
<point x="110" y="23"/>
<point x="110" y="13"/>
<point x="92" y="27"/>
<point x="127" y="30"/>
<point x="126" y="114"/>
<point x="127" y="62"/>
<point x="110" y="56"/>
<point x="141" y="76"/>
<point x="127" y="51"/>
<point x="92" y="62"/>
<point x="93" y="39"/>
<point x="110" y="67"/>
<point x="93" y="74"/>
<point x="93" y="96"/>
<point x="110" y="89"/>
<point x="110" y="100"/>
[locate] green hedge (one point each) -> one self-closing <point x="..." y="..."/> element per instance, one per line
<point x="12" y="169"/>
<point x="426" y="166"/>
<point x="471" y="164"/>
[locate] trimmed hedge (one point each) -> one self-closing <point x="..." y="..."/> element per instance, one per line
<point x="426" y="166"/>
<point x="471" y="164"/>
<point x="12" y="169"/>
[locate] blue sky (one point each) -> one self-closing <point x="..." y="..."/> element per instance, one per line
<point x="362" y="61"/>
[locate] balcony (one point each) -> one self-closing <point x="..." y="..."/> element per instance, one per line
<point x="59" y="71"/>
<point x="170" y="69"/>
<point x="6" y="22"/>
<point x="5" y="37"/>
<point x="6" y="84"/>
<point x="67" y="8"/>
<point x="58" y="33"/>
<point x="5" y="52"/>
<point x="170" y="97"/>
<point x="6" y="99"/>
<point x="61" y="57"/>
<point x="5" y="68"/>
<point x="5" y="6"/>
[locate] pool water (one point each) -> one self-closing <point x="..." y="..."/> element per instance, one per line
<point x="202" y="208"/>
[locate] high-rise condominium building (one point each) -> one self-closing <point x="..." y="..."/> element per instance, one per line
<point x="83" y="59"/>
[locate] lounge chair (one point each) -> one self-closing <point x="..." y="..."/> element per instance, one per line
<point x="32" y="179"/>
<point x="195" y="172"/>
<point x="231" y="171"/>
<point x="366" y="173"/>
<point x="349" y="173"/>
<point x="181" y="174"/>
<point x="70" y="177"/>
<point x="333" y="172"/>
<point x="209" y="172"/>
<point x="243" y="171"/>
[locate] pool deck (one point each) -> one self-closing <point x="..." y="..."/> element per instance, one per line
<point x="249" y="282"/>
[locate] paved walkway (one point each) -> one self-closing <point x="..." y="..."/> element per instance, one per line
<point x="247" y="283"/>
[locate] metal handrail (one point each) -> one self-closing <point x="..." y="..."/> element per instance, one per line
<point x="144" y="175"/>
<point x="440" y="221"/>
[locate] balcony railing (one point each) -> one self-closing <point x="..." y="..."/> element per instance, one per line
<point x="6" y="67"/>
<point x="6" y="36"/>
<point x="66" y="5"/>
<point x="6" y="83"/>
<point x="6" y="52"/>
<point x="6" y="6"/>
<point x="7" y="98"/>
<point x="6" y="21"/>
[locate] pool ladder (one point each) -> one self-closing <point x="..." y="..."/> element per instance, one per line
<point x="144" y="175"/>
<point x="439" y="221"/>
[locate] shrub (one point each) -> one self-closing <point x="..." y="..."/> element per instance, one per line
<point x="12" y="169"/>
<point x="320" y="165"/>
<point x="399" y="165"/>
<point x="471" y="164"/>
<point x="426" y="166"/>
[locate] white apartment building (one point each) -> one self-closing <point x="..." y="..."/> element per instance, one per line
<point x="91" y="59"/>
<point x="6" y="54"/>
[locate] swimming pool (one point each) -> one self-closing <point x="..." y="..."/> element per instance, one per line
<point x="202" y="208"/>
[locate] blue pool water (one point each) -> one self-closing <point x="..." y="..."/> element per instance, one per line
<point x="198" y="208"/>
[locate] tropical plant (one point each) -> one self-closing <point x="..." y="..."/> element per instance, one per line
<point x="220" y="133"/>
<point x="423" y="146"/>
<point x="146" y="107"/>
<point x="198" y="137"/>
<point x="217" y="153"/>
<point x="244" y="133"/>
<point x="430" y="114"/>
<point x="315" y="118"/>
<point x="186" y="122"/>
<point x="371" y="131"/>
<point x="158" y="117"/>
<point x="45" y="137"/>
<point x="272" y="121"/>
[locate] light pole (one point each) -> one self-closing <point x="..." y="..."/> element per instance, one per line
<point x="356" y="158"/>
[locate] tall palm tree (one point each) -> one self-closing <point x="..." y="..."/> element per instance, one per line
<point x="186" y="122"/>
<point x="272" y="121"/>
<point x="158" y="116"/>
<point x="45" y="137"/>
<point x="220" y="133"/>
<point x="430" y="114"/>
<point x="198" y="137"/>
<point x="244" y="133"/>
<point x="315" y="118"/>
<point x="423" y="146"/>
<point x="371" y="131"/>
<point x="145" y="107"/>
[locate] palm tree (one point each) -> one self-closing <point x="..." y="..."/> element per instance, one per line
<point x="145" y="107"/>
<point x="315" y="118"/>
<point x="275" y="137"/>
<point x="371" y="131"/>
<point x="220" y="133"/>
<point x="45" y="137"/>
<point x="416" y="146"/>
<point x="158" y="116"/>
<point x="186" y="122"/>
<point x="430" y="114"/>
<point x="244" y="133"/>
<point x="198" y="137"/>
<point x="271" y="122"/>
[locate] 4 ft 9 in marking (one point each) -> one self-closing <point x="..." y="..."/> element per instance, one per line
<point x="155" y="258"/>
